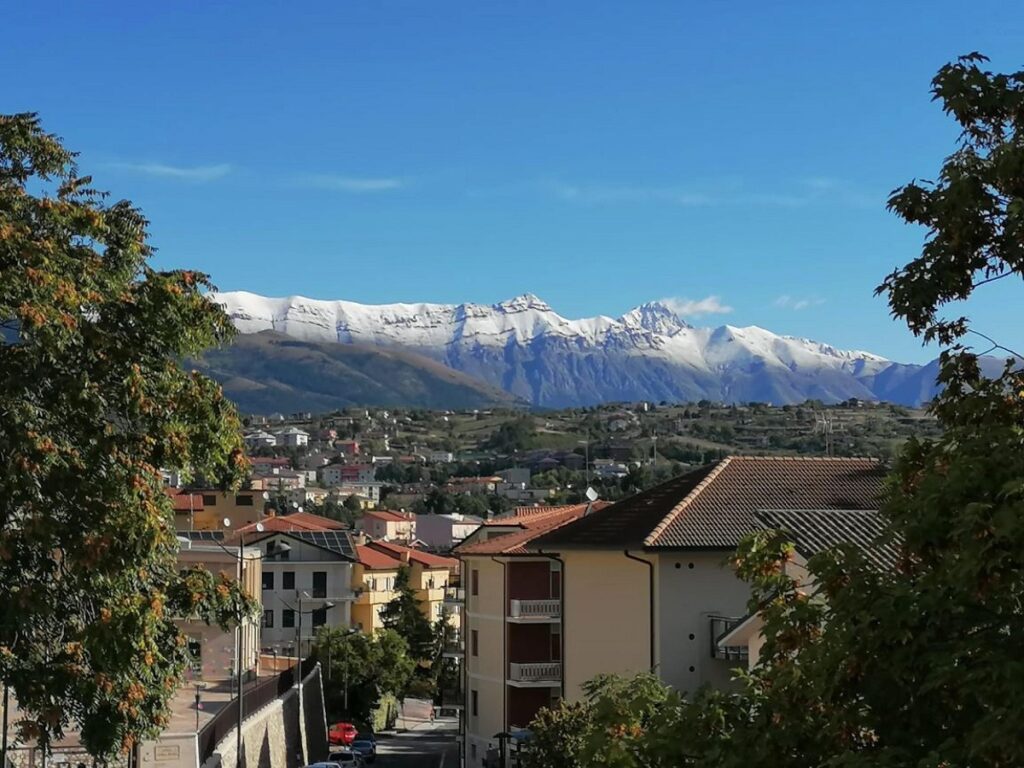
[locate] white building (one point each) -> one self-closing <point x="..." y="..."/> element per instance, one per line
<point x="305" y="571"/>
<point x="293" y="437"/>
<point x="259" y="439"/>
<point x="442" y="532"/>
<point x="440" y="457"/>
<point x="344" y="474"/>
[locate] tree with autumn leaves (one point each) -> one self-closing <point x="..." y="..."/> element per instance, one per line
<point x="93" y="403"/>
<point x="918" y="664"/>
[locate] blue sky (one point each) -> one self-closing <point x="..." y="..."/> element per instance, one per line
<point x="732" y="156"/>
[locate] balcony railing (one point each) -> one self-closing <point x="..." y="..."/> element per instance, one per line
<point x="535" y="672"/>
<point x="720" y="626"/>
<point x="454" y="648"/>
<point x="454" y="595"/>
<point x="535" y="609"/>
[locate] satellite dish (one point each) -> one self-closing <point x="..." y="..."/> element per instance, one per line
<point x="266" y="496"/>
<point x="226" y="522"/>
<point x="591" y="494"/>
<point x="260" y="528"/>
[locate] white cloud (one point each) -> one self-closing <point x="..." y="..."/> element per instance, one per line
<point x="182" y="172"/>
<point x="348" y="183"/>
<point x="709" y="305"/>
<point x="786" y="301"/>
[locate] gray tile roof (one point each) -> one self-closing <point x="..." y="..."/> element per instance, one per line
<point x="814" y="530"/>
<point x="716" y="506"/>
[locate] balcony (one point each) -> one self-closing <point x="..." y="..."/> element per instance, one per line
<point x="454" y="595"/>
<point x="534" y="610"/>
<point x="535" y="674"/>
<point x="721" y="626"/>
<point x="454" y="649"/>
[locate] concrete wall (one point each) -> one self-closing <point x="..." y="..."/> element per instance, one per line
<point x="606" y="614"/>
<point x="692" y="586"/>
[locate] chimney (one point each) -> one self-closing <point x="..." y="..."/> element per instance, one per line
<point x="405" y="555"/>
<point x="359" y="538"/>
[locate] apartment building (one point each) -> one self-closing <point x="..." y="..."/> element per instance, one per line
<point x="306" y="583"/>
<point x="213" y="649"/>
<point x="511" y="624"/>
<point x="661" y="560"/>
<point x="443" y="532"/>
<point x="375" y="574"/>
<point x="201" y="509"/>
<point x="387" y="525"/>
<point x="342" y="474"/>
<point x="812" y="531"/>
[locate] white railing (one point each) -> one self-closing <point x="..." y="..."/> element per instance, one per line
<point x="535" y="672"/>
<point x="535" y="609"/>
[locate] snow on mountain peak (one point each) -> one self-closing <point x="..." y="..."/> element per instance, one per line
<point x="523" y="303"/>
<point x="654" y="316"/>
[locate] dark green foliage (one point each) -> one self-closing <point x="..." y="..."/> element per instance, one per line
<point x="93" y="403"/>
<point x="405" y="616"/>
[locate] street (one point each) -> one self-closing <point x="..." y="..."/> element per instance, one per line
<point x="423" y="745"/>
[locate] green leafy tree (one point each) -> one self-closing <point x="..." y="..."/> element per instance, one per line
<point x="917" y="664"/>
<point x="558" y="736"/>
<point x="353" y="505"/>
<point x="359" y="669"/>
<point x="404" y="615"/>
<point x="93" y="403"/>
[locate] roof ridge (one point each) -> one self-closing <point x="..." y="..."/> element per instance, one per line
<point x="673" y="513"/>
<point x="806" y="458"/>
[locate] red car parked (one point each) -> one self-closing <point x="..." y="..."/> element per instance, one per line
<point x="342" y="733"/>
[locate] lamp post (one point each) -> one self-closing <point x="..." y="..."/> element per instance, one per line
<point x="326" y="606"/>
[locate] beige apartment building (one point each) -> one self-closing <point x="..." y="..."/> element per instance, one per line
<point x="387" y="525"/>
<point x="205" y="510"/>
<point x="213" y="649"/>
<point x="511" y="625"/>
<point x="642" y="584"/>
<point x="376" y="570"/>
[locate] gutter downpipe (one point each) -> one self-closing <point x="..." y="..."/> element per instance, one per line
<point x="650" y="595"/>
<point x="561" y="616"/>
<point x="504" y="643"/>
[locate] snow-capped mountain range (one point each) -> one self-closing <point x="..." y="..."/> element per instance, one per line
<point x="526" y="348"/>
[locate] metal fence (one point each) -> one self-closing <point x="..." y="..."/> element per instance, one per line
<point x="256" y="697"/>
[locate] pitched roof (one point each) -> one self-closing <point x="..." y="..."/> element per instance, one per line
<point x="388" y="515"/>
<point x="185" y="502"/>
<point x="715" y="506"/>
<point x="339" y="542"/>
<point x="520" y="516"/>
<point x="297" y="521"/>
<point x="427" y="559"/>
<point x="814" y="530"/>
<point x="375" y="560"/>
<point x="529" y="528"/>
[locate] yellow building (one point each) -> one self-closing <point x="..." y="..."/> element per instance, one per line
<point x="206" y="510"/>
<point x="375" y="573"/>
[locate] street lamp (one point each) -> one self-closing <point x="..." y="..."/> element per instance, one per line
<point x="326" y="605"/>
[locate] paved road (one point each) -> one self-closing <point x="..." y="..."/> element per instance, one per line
<point x="423" y="745"/>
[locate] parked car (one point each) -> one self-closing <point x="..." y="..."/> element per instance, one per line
<point x="342" y="733"/>
<point x="323" y="764"/>
<point x="367" y="748"/>
<point x="346" y="758"/>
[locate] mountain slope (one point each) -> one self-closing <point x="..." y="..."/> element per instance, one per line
<point x="268" y="372"/>
<point x="525" y="348"/>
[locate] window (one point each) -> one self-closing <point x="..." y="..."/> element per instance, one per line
<point x="268" y="579"/>
<point x="268" y="619"/>
<point x="195" y="652"/>
<point x="274" y="551"/>
<point x="287" y="618"/>
<point x="472" y="751"/>
<point x="209" y="500"/>
<point x="476" y="703"/>
<point x="319" y="617"/>
<point x="288" y="580"/>
<point x="474" y="642"/>
<point x="244" y="500"/>
<point x="475" y="582"/>
<point x="320" y="584"/>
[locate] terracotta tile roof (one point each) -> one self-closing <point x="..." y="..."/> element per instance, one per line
<point x="715" y="506"/>
<point x="181" y="500"/>
<point x="519" y="516"/>
<point x="814" y="530"/>
<point x="388" y="515"/>
<point x="424" y="558"/>
<point x="530" y="527"/>
<point x="375" y="560"/>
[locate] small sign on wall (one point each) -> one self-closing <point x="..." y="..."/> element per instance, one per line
<point x="163" y="754"/>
